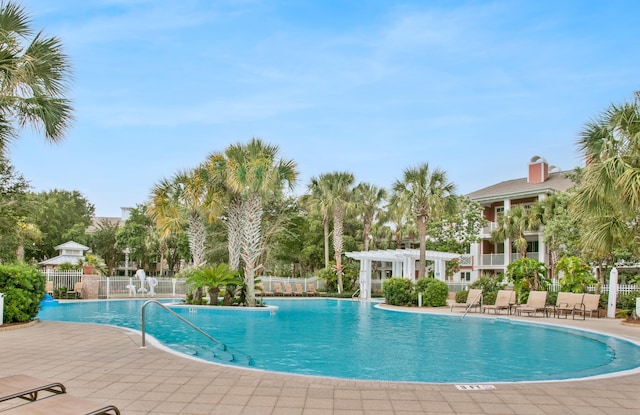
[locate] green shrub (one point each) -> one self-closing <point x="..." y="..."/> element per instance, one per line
<point x="627" y="301"/>
<point x="398" y="291"/>
<point x="461" y="296"/>
<point x="552" y="297"/>
<point x="23" y="288"/>
<point x="436" y="294"/>
<point x="490" y="285"/>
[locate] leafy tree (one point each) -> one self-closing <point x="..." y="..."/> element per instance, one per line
<point x="577" y="275"/>
<point x="103" y="243"/>
<point x="134" y="236"/>
<point x="61" y="216"/>
<point x="428" y="193"/>
<point x="457" y="229"/>
<point x="13" y="210"/>
<point x="561" y="229"/>
<point x="527" y="275"/>
<point x="34" y="76"/>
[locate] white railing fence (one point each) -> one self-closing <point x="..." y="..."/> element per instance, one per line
<point x="114" y="287"/>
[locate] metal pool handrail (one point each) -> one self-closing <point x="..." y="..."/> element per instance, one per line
<point x="190" y="324"/>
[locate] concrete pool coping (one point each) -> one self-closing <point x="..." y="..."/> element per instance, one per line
<point x="106" y="364"/>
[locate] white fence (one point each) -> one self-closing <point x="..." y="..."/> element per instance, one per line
<point x="114" y="287"/>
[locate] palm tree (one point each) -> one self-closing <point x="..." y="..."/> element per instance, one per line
<point x="253" y="172"/>
<point x="316" y="201"/>
<point x="34" y="73"/>
<point x="428" y="193"/>
<point x="189" y="200"/>
<point x="608" y="196"/>
<point x="213" y="278"/>
<point x="367" y="201"/>
<point x="513" y="225"/>
<point x="338" y="193"/>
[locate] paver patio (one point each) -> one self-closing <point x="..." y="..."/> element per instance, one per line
<point x="106" y="364"/>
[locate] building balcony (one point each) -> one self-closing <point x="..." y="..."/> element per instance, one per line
<point x="492" y="260"/>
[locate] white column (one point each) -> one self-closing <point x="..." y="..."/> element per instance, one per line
<point x="507" y="242"/>
<point x="613" y="293"/>
<point x="365" y="279"/>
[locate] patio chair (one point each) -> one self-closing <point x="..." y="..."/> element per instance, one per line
<point x="590" y="304"/>
<point x="474" y="300"/>
<point x="277" y="289"/>
<point x="299" y="290"/>
<point x="505" y="300"/>
<point x="77" y="290"/>
<point x="566" y="303"/>
<point x="261" y="290"/>
<point x="287" y="289"/>
<point x="62" y="404"/>
<point x="311" y="290"/>
<point x="537" y="301"/>
<point x="26" y="387"/>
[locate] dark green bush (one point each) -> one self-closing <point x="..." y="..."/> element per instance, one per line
<point x="490" y="285"/>
<point x="461" y="296"/>
<point x="398" y="291"/>
<point x="436" y="294"/>
<point x="626" y="301"/>
<point x="23" y="288"/>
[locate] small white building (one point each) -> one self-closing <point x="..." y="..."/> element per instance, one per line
<point x="69" y="252"/>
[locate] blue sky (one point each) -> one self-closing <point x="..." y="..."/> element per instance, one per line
<point x="372" y="87"/>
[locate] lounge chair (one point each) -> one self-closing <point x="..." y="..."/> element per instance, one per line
<point x="77" y="290"/>
<point x="299" y="290"/>
<point x="474" y="300"/>
<point x="26" y="387"/>
<point x="261" y="290"/>
<point x="590" y="304"/>
<point x="287" y="289"/>
<point x="62" y="404"/>
<point x="537" y="301"/>
<point x="505" y="300"/>
<point x="566" y="303"/>
<point x="277" y="289"/>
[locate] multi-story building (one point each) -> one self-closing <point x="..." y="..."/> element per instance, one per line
<point x="488" y="256"/>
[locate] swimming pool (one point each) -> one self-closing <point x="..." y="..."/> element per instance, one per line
<point x="356" y="340"/>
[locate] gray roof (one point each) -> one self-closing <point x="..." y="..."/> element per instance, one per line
<point x="517" y="188"/>
<point x="71" y="245"/>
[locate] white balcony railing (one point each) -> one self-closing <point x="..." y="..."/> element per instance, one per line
<point x="491" y="259"/>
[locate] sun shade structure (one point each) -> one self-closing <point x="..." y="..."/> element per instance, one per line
<point x="403" y="264"/>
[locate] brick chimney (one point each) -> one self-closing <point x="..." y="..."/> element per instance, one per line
<point x="538" y="170"/>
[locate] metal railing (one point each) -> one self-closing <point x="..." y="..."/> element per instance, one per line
<point x="190" y="324"/>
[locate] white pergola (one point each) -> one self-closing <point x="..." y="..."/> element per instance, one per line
<point x="403" y="264"/>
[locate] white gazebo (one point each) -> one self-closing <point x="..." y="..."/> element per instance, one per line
<point x="403" y="264"/>
<point x="69" y="252"/>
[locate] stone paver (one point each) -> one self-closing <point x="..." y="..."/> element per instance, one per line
<point x="106" y="364"/>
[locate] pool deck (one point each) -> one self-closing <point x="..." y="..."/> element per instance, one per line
<point x="106" y="364"/>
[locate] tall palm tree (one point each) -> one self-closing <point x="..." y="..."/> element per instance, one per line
<point x="513" y="225"/>
<point x="428" y="193"/>
<point x="34" y="74"/>
<point x="367" y="201"/>
<point x="338" y="192"/>
<point x="252" y="173"/>
<point x="608" y="195"/>
<point x="316" y="201"/>
<point x="189" y="200"/>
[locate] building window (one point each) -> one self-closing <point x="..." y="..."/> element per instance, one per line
<point x="465" y="276"/>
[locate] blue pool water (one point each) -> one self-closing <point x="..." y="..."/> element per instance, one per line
<point x="355" y="340"/>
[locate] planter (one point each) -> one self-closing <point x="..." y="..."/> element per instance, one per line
<point x="88" y="269"/>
